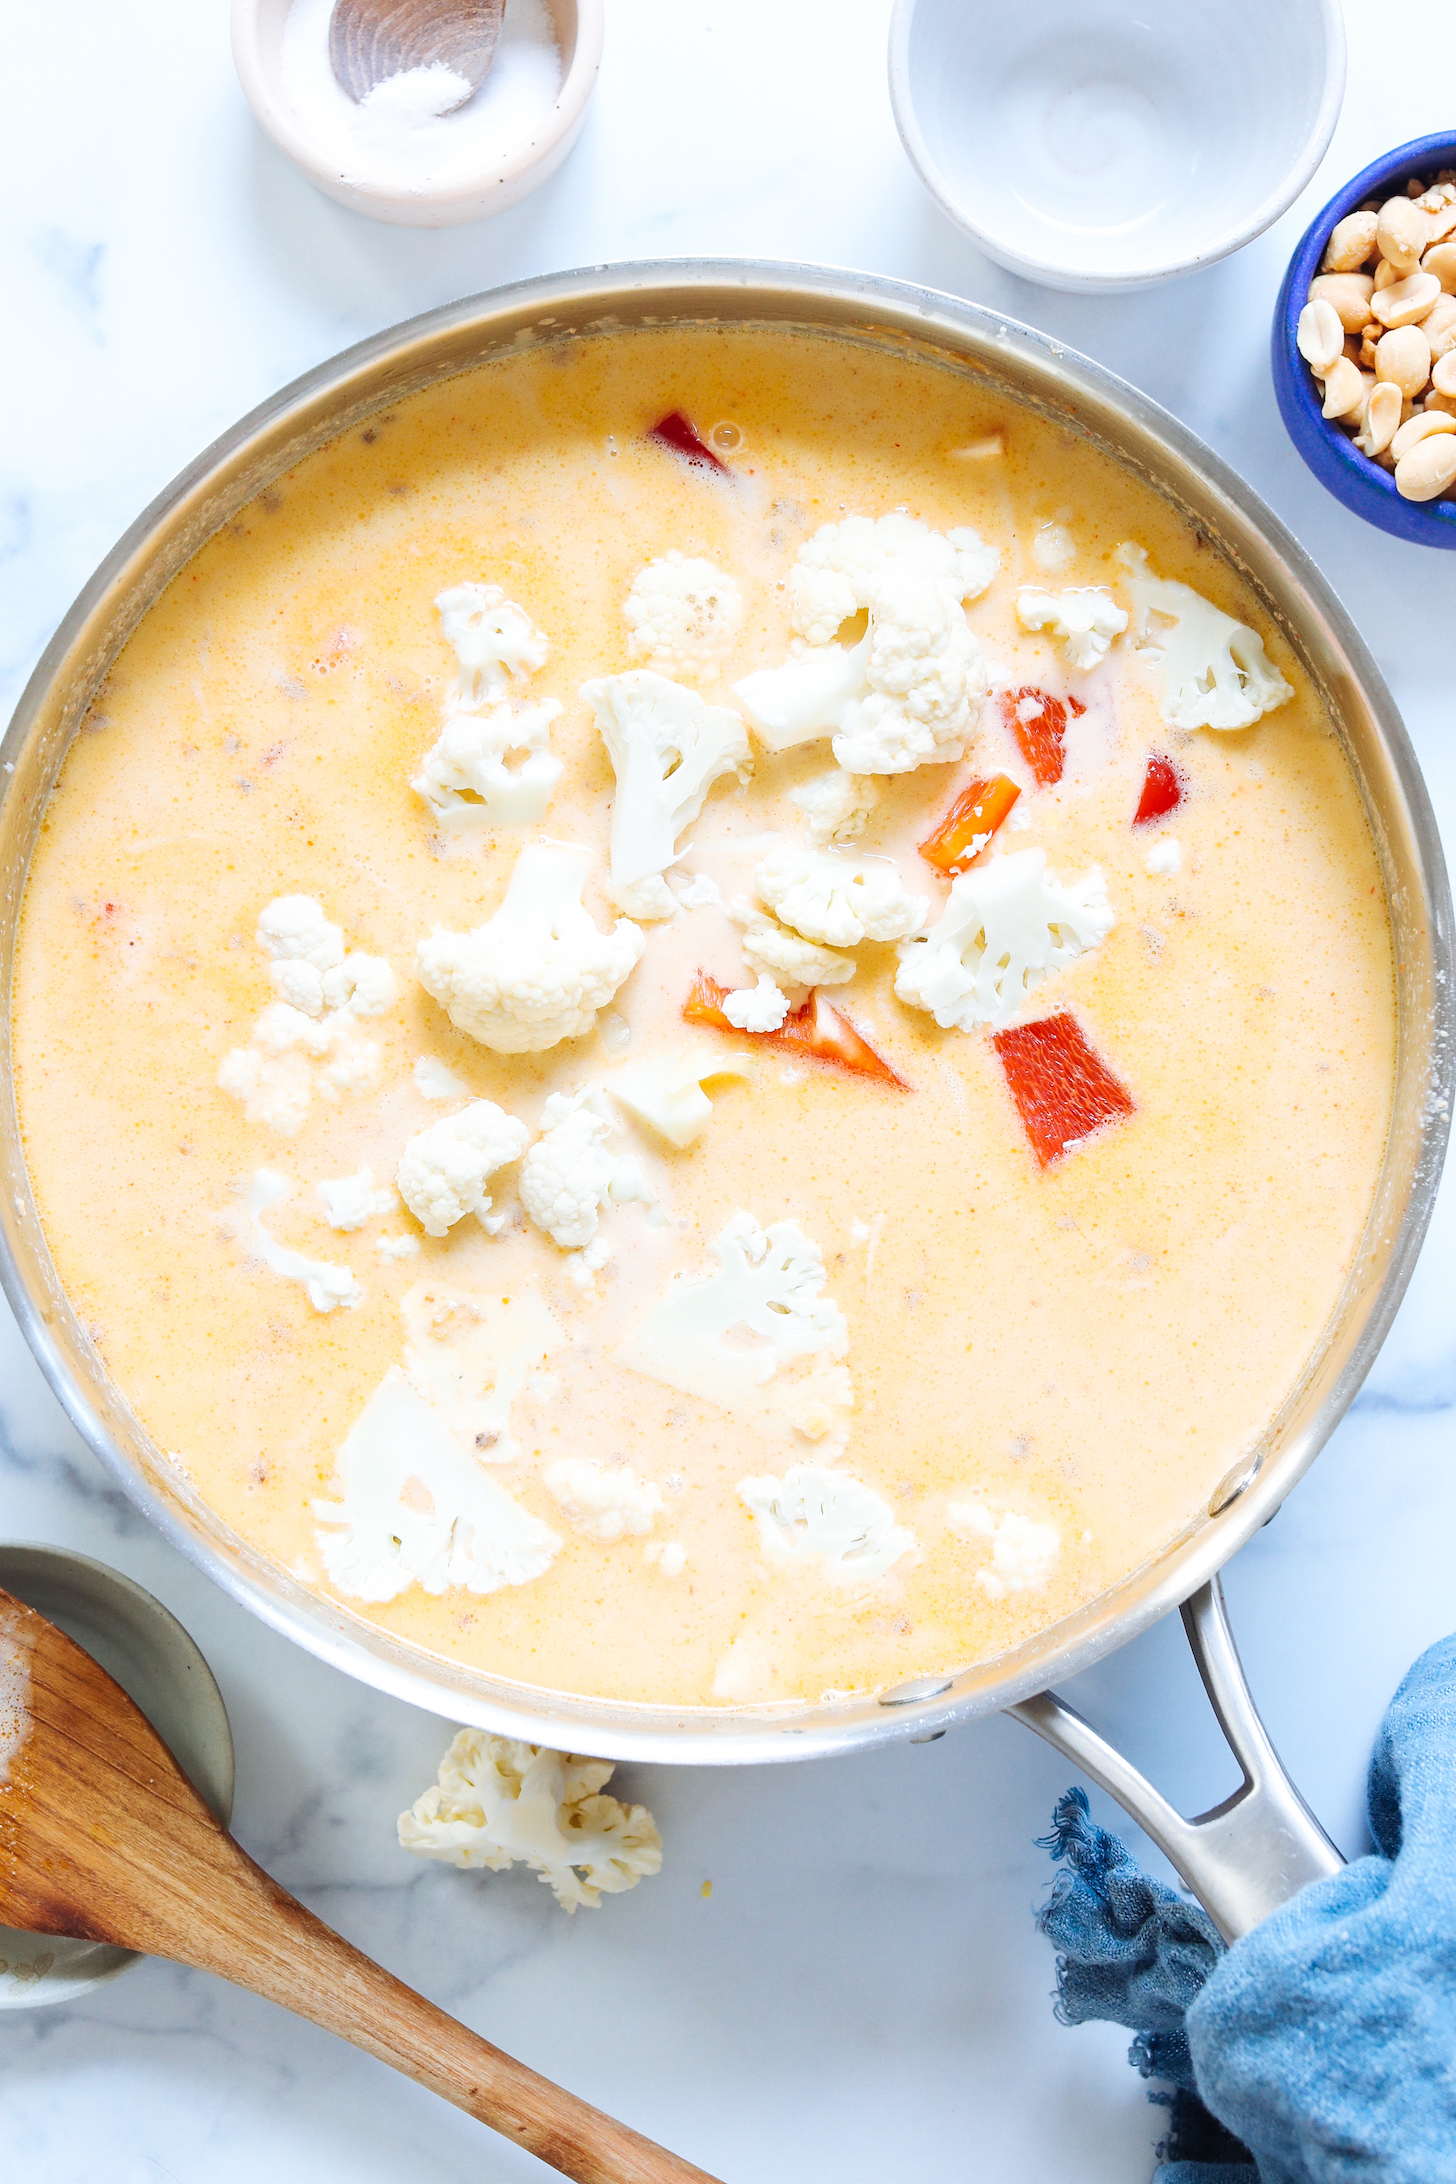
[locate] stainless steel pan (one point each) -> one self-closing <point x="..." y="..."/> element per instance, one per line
<point x="1246" y="1857"/>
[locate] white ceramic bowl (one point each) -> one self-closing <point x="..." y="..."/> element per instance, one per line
<point x="257" y="29"/>
<point x="1091" y="145"/>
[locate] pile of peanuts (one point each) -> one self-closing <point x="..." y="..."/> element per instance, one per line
<point x="1379" y="333"/>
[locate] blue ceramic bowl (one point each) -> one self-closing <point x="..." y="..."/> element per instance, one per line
<point x="1331" y="454"/>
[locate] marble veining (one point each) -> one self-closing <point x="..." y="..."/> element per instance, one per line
<point x="862" y="1993"/>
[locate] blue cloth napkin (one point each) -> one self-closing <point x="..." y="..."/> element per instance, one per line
<point x="1321" y="2048"/>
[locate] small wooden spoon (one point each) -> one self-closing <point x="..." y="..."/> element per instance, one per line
<point x="102" y="1836"/>
<point x="371" y="40"/>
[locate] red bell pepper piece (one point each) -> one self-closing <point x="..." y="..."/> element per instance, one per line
<point x="1039" y="723"/>
<point x="1062" y="1088"/>
<point x="1162" y="790"/>
<point x="674" y="431"/>
<point x="969" y="824"/>
<point x="815" y="1029"/>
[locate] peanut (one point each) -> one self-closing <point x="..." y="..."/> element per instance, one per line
<point x="1441" y="261"/>
<point x="1439" y="326"/>
<point x="1402" y="356"/>
<point x="1443" y="221"/>
<point x="1349" y="293"/>
<point x="1352" y="242"/>
<point x="1382" y="418"/>
<point x="1418" y="428"/>
<point x="1321" y="336"/>
<point x="1386" y="275"/>
<point x="1344" y="388"/>
<point x="1443" y="373"/>
<point x="1445" y="403"/>
<point x="1401" y="231"/>
<point x="1429" y="471"/>
<point x="1406" y="301"/>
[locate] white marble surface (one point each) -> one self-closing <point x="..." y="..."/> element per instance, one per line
<point x="863" y="1995"/>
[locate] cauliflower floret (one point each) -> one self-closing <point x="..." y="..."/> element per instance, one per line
<point x="1085" y="620"/>
<point x="276" y="1090"/>
<point x="362" y="984"/>
<point x="293" y="929"/>
<point x="435" y="1080"/>
<point x="351" y="1200"/>
<point x="701" y="892"/>
<point x="564" y="1177"/>
<point x="774" y="952"/>
<point x="756" y="1008"/>
<point x="1023" y="1553"/>
<point x="495" y="641"/>
<point x="815" y="1514"/>
<point x="1216" y="673"/>
<point x="837" y="900"/>
<point x="837" y="805"/>
<point x="415" y="1508"/>
<point x="540" y="969"/>
<point x="445" y="1167"/>
<point x="473" y="775"/>
<point x="1007" y="927"/>
<point x="667" y="749"/>
<point x="908" y="692"/>
<point x="666" y="1092"/>
<point x="498" y="1801"/>
<point x="603" y="1500"/>
<point x="684" y="616"/>
<point x="769" y="1281"/>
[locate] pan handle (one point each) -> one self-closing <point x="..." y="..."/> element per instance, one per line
<point x="1243" y="1858"/>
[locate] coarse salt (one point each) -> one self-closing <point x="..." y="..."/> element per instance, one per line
<point x="401" y="137"/>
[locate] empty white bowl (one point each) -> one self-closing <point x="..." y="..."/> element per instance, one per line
<point x="1093" y="145"/>
<point x="504" y="176"/>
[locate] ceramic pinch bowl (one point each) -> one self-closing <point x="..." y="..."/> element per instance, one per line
<point x="150" y="1655"/>
<point x="1095" y="147"/>
<point x="1362" y="485"/>
<point x="505" y="169"/>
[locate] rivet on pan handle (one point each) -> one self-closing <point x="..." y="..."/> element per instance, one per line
<point x="1245" y="1857"/>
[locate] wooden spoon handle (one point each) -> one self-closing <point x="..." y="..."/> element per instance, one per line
<point x="260" y="1937"/>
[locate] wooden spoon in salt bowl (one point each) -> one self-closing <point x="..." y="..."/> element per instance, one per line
<point x="102" y="1836"/>
<point x="371" y="40"/>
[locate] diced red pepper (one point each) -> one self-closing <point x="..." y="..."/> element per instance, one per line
<point x="1062" y="1088"/>
<point x="1039" y="723"/>
<point x="675" y="431"/>
<point x="1162" y="790"/>
<point x="969" y="824"/>
<point x="815" y="1029"/>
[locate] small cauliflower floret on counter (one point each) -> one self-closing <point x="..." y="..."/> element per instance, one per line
<point x="540" y="969"/>
<point x="756" y="1008"/>
<point x="684" y="616"/>
<point x="603" y="1501"/>
<point x="444" y="1169"/>
<point x="768" y="1281"/>
<point x="774" y="952"/>
<point x="837" y="900"/>
<point x="1216" y="673"/>
<point x="565" y="1175"/>
<point x="816" y="1514"/>
<point x="499" y="1803"/>
<point x="414" y="1508"/>
<point x="666" y="1092"/>
<point x="493" y="768"/>
<point x="1007" y="927"/>
<point x="667" y="748"/>
<point x="351" y="1200"/>
<point x="324" y="1284"/>
<point x="837" y="805"/>
<point x="1023" y="1553"/>
<point x="494" y="640"/>
<point x="1083" y="620"/>
<point x="906" y="693"/>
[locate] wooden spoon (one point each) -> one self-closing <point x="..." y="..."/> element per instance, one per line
<point x="102" y="1836"/>
<point x="371" y="40"/>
